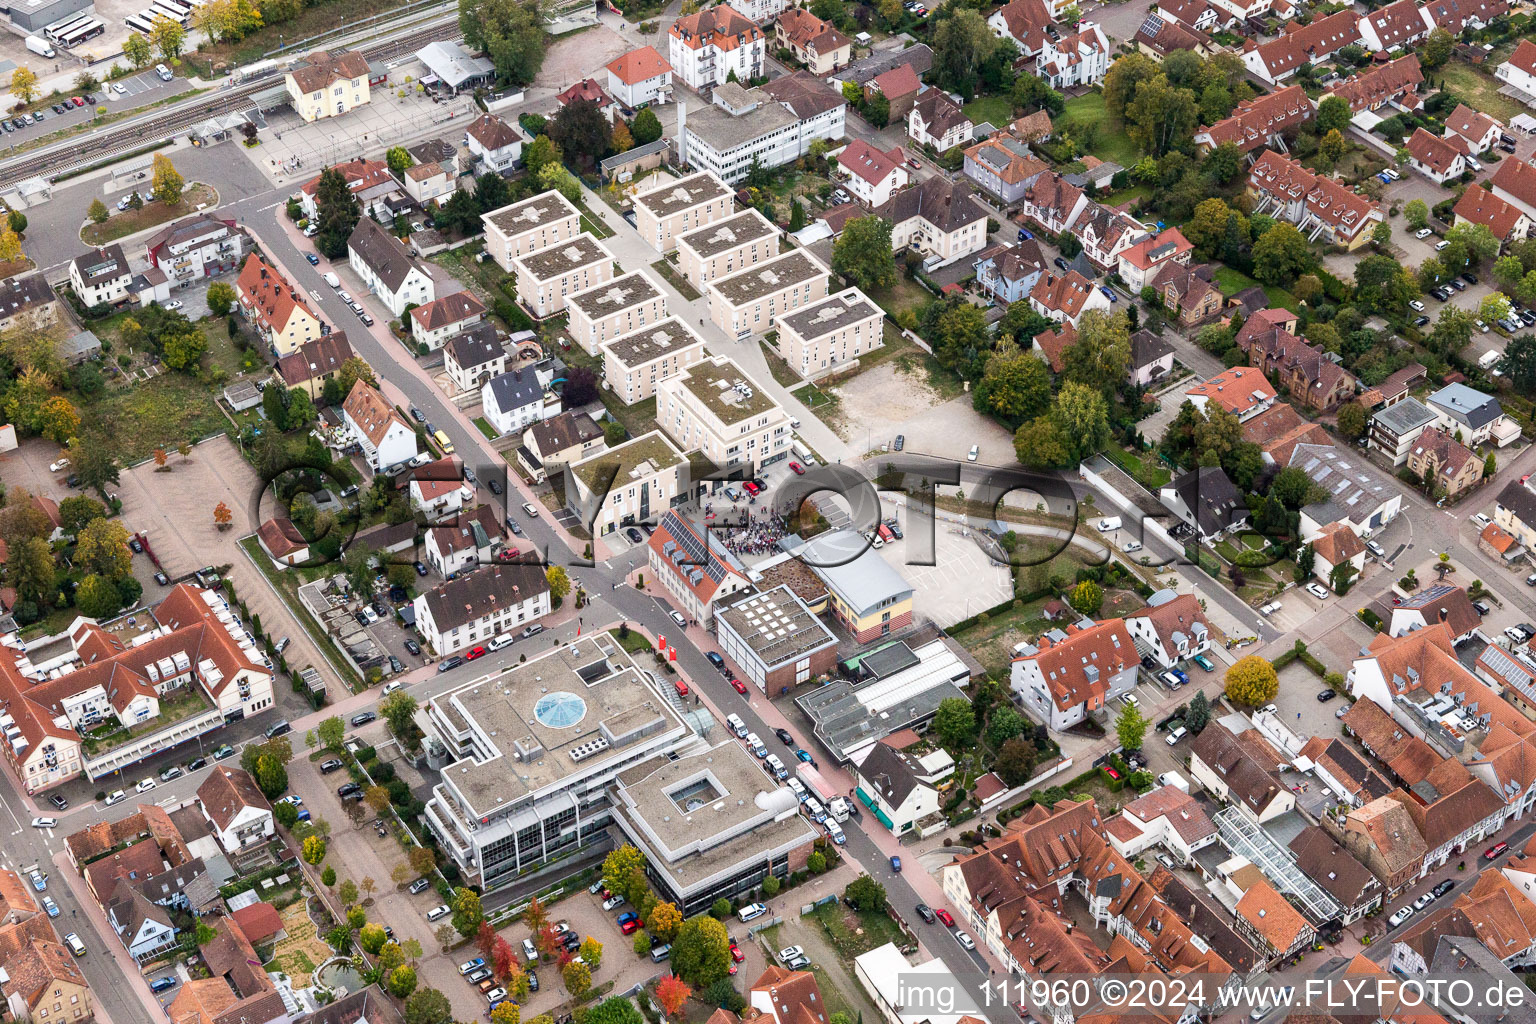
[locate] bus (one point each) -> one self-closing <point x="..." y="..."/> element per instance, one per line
<point x="140" y="24"/>
<point x="59" y="29"/>
<point x="181" y="6"/>
<point x="90" y="30"/>
<point x="164" y="10"/>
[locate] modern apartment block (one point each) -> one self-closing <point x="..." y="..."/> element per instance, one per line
<point x="713" y="407"/>
<point x="677" y="206"/>
<point x="625" y="304"/>
<point x="197" y="247"/>
<point x="726" y="247"/>
<point x="528" y="226"/>
<point x="633" y="483"/>
<point x="634" y="364"/>
<point x="548" y="277"/>
<point x="826" y="336"/>
<point x="532" y="752"/>
<point x="748" y="304"/>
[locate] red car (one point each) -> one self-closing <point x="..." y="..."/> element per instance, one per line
<point x="1493" y="851"/>
<point x="474" y="652"/>
<point x="682" y="688"/>
<point x="945" y="916"/>
<point x="79" y="101"/>
<point x="750" y="487"/>
<point x="739" y="686"/>
<point x="631" y="926"/>
<point x="797" y="469"/>
<point x="736" y="953"/>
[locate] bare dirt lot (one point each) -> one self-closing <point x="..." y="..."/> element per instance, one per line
<point x="571" y="58"/>
<point x="877" y="405"/>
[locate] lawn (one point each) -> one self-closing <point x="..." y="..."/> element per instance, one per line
<point x="945" y="383"/>
<point x="825" y="406"/>
<point x="996" y="110"/>
<point x="635" y="642"/>
<point x="854" y="933"/>
<point x="638" y="419"/>
<point x="1149" y="472"/>
<point x="321" y="18"/>
<point x="678" y="281"/>
<point x="992" y="642"/>
<point x="1478" y="89"/>
<point x="905" y="294"/>
<point x="147" y="216"/>
<point x="782" y="373"/>
<point x="1232" y="281"/>
<point x="1111" y="143"/>
<point x="164" y="411"/>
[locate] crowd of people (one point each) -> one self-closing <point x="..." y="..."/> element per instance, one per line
<point x="746" y="530"/>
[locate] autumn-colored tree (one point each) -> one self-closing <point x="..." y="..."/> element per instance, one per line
<point x="546" y="940"/>
<point x="184" y="449"/>
<point x="622" y="139"/>
<point x="506" y="1012"/>
<point x="10" y="246"/>
<point x="423" y="859"/>
<point x="168" y="182"/>
<point x="160" y="457"/>
<point x="672" y="992"/>
<point x="503" y="959"/>
<point x="314" y="850"/>
<point x="59" y="420"/>
<point x="368" y="885"/>
<point x="577" y="978"/>
<point x="1252" y="681"/>
<point x="485" y="939"/>
<point x="664" y="921"/>
<point x="377" y="799"/>
<point x="24" y="84"/>
<point x="535" y="916"/>
<point x="223" y="516"/>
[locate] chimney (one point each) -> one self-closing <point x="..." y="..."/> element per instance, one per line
<point x="682" y="132"/>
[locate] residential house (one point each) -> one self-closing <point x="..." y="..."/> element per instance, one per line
<point x="1319" y="206"/>
<point x="386" y="438"/>
<point x="1067" y="675"/>
<point x="1515" y="512"/>
<point x="466" y="538"/>
<point x="428" y="182"/>
<point x="699" y="572"/>
<point x="676" y="206"/>
<point x="1008" y="273"/>
<point x="1052" y="346"/>
<point x="1383" y="837"/>
<point x="589" y="90"/>
<point x="1207" y="500"/>
<point x="1334" y="546"/>
<point x="1159" y="36"/>
<point x="1333" y="869"/>
<point x="1514" y="181"/>
<point x="459" y="614"/>
<point x="937" y="122"/>
<point x="1446" y="465"/>
<point x="1395" y="429"/>
<point x="1242" y="391"/>
<point x="1195" y="14"/>
<point x="1171" y="628"/>
<point x="1139" y="264"/>
<point x="1456" y="15"/>
<point x="1278" y="431"/>
<point x="636" y="362"/>
<point x="240" y="816"/>
<point x="315" y="362"/>
<point x="1303" y="44"/>
<point x="237" y="991"/>
<point x="386" y="267"/>
<point x="1472" y="416"/>
<point x="27" y="301"/>
<point x="899" y="785"/>
<point x="514" y="400"/>
<point x="900" y="86"/>
<point x="618" y="307"/>
<point x="1276" y="926"/>
<point x="1308" y="373"/>
<point x="713" y="407"/>
<point x="1242" y="770"/>
<point x="528" y="226"/>
<point x="706" y="48"/>
<point x="1259" y="123"/>
<point x="872" y="175"/>
<point x="435" y="322"/>
<point x="146" y="928"/>
<point x="1023" y="23"/>
<point x="1481" y="206"/>
<point x="1106" y="233"/>
<point x="1052" y="203"/>
<point x="101" y="277"/>
<point x="197" y="247"/>
<point x="1438" y="603"/>
<point x="1151" y="358"/>
<point x="1393" y="27"/>
<point x="814" y="43"/>
<point x="1519" y="71"/>
<point x="631" y="483"/>
<point x="438" y="489"/>
<point x="554" y="443"/>
<point x="282" y="542"/>
<point x="44" y="984"/>
<point x="1338" y="766"/>
<point x="832" y="334"/>
<point x="369" y="181"/>
<point x="1166" y="817"/>
<point x="1476" y="129"/>
<point x="1437" y="159"/>
<point x="472" y="357"/>
<point x="1190" y="293"/>
<point x="1493" y="915"/>
<point x="725" y="247"/>
<point x="1003" y="166"/>
<point x="494" y="144"/>
<point x="938" y="218"/>
<point x="274" y="308"/>
<point x="639" y="78"/>
<point x="1079" y="59"/>
<point x="1065" y="297"/>
<point x="1395" y="83"/>
<point x="327" y="84"/>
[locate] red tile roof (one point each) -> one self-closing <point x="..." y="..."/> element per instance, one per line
<point x="638" y="66"/>
<point x="1252" y="123"/>
<point x="1438" y="154"/>
<point x="1236" y="389"/>
<point x="869" y="163"/>
<point x="1480" y="206"/>
<point x="1066" y="293"/>
<point x="721" y="27"/>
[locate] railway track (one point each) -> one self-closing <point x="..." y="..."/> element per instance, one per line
<point x="102" y="145"/>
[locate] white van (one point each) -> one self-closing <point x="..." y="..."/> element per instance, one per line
<point x="737" y="725"/>
<point x="836" y="832"/>
<point x="497" y="643"/>
<point x="439" y="912"/>
<point x="817" y="812"/>
<point x="333" y="281"/>
<point x="75" y="945"/>
<point x="1112" y="523"/>
<point x="777" y="766"/>
<point x="756" y="745"/>
<point x="660" y="953"/>
<point x="1490" y="359"/>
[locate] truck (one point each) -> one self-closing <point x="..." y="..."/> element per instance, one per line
<point x="819" y="787"/>
<point x="838" y="808"/>
<point x="39" y="46"/>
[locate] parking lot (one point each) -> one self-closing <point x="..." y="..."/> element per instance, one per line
<point x="962" y="579"/>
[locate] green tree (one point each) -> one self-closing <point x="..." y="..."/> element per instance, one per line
<point x="555" y="176"/>
<point x="1130" y="727"/>
<point x="1087" y="597"/>
<point x="332" y="732"/>
<point x="402" y="981"/>
<point x="29" y="568"/>
<point x="1161" y="117"/>
<point x="221" y="298"/>
<point x="582" y="131"/>
<point x="336" y="213"/>
<point x="864" y="893"/>
<point x="1493" y="308"/>
<point x="511" y="32"/>
<point x="615" y="1010"/>
<point x="1003" y="725"/>
<point x="862" y="253"/>
<point x="428" y="1006"/>
<point x="1481" y="243"/>
<point x="624" y="873"/>
<point x="467" y="912"/>
<point x="1508" y="270"/>
<point x="1416" y="213"/>
<point x="98" y="212"/>
<point x="955" y="722"/>
<point x="1436" y="50"/>
<point x="646" y="128"/>
<point x="542" y="152"/>
<point x="1352" y="420"/>
<point x="1125" y="75"/>
<point x="1198" y="715"/>
<point x="398" y="710"/>
<point x="1519" y="364"/>
<point x="962" y="44"/>
<point x="1333" y="115"/>
<point x="183" y="346"/>
<point x="1082" y="416"/>
<point x="372" y="938"/>
<point x="1453" y="329"/>
<point x="1252" y="681"/>
<point x="77" y="511"/>
<point x="577" y="977"/>
<point x="1102" y="353"/>
<point x="138" y="50"/>
<point x="1331" y="147"/>
<point x="399" y="159"/>
<point x="1280" y="254"/>
<point x="1015" y="762"/>
<point x="168" y="37"/>
<point x="1015" y="386"/>
<point x="97" y="597"/>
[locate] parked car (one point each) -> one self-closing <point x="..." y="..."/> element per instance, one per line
<point x="363" y="717"/>
<point x="1399" y="917"/>
<point x="1443" y="887"/>
<point x="330" y="765"/>
<point x="144" y="786"/>
<point x="616" y="900"/>
<point x="945" y="916"/>
<point x="751" y="912"/>
<point x="58" y="801"/>
<point x="470" y="965"/>
<point x="925" y="912"/>
<point x="784" y="737"/>
<point x="1318" y="591"/>
<point x="1493" y="852"/>
<point x="1324" y="696"/>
